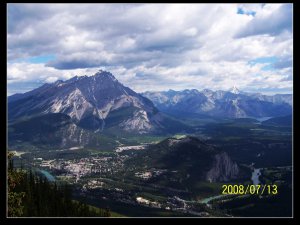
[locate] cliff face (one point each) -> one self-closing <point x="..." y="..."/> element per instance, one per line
<point x="223" y="169"/>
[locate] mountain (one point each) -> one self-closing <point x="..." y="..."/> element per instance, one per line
<point x="234" y="90"/>
<point x="226" y="104"/>
<point x="88" y="101"/>
<point x="193" y="159"/>
<point x="83" y="106"/>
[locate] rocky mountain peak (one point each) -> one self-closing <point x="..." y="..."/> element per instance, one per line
<point x="89" y="101"/>
<point x="106" y="74"/>
<point x="58" y="82"/>
<point x="234" y="90"/>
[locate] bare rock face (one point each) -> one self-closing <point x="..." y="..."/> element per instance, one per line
<point x="223" y="169"/>
<point x="139" y="122"/>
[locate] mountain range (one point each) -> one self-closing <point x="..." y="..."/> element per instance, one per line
<point x="73" y="112"/>
<point x="224" y="104"/>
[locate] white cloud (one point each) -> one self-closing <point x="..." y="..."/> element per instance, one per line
<point x="29" y="72"/>
<point x="272" y="19"/>
<point x="51" y="79"/>
<point x="152" y="46"/>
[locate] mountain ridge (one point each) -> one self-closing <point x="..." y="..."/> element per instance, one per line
<point x="194" y="158"/>
<point x="229" y="104"/>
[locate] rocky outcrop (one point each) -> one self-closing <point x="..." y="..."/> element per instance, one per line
<point x="223" y="169"/>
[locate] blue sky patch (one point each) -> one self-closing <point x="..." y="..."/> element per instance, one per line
<point x="241" y="11"/>
<point x="41" y="59"/>
<point x="265" y="60"/>
<point x="35" y="59"/>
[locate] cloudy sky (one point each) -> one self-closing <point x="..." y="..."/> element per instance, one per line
<point x="153" y="46"/>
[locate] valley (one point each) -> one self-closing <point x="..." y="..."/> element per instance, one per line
<point x="121" y="179"/>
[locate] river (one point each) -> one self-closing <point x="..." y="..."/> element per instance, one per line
<point x="46" y="174"/>
<point x="206" y="200"/>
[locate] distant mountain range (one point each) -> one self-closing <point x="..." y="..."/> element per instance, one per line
<point x="225" y="104"/>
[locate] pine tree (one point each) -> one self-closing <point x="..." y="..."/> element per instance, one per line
<point x="15" y="204"/>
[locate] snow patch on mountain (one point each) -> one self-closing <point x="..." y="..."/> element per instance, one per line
<point x="234" y="90"/>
